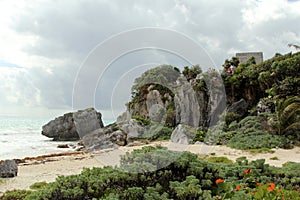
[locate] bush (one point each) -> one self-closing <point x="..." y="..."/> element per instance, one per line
<point x="142" y="121"/>
<point x="38" y="185"/>
<point x="157" y="131"/>
<point x="219" y="160"/>
<point x="230" y="117"/>
<point x="256" y="140"/>
<point x="15" y="195"/>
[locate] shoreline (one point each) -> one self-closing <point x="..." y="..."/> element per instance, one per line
<point x="48" y="167"/>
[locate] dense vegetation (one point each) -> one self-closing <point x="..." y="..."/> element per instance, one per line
<point x="157" y="173"/>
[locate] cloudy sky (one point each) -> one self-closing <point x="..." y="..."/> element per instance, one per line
<point x="56" y="56"/>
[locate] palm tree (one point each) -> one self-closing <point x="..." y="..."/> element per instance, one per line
<point x="294" y="45"/>
<point x="288" y="111"/>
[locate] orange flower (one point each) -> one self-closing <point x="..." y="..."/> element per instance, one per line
<point x="219" y="181"/>
<point x="237" y="188"/>
<point x="258" y="184"/>
<point x="278" y="191"/>
<point x="247" y="171"/>
<point x="271" y="187"/>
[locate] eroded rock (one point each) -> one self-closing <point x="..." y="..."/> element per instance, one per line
<point x="182" y="134"/>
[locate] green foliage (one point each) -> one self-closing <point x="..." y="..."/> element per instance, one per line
<point x="187" y="189"/>
<point x="230" y="117"/>
<point x="278" y="77"/>
<point x="141" y="120"/>
<point x="199" y="135"/>
<point x="163" y="75"/>
<point x="260" y="150"/>
<point x="256" y="140"/>
<point x="219" y="160"/>
<point x="38" y="185"/>
<point x="288" y="115"/>
<point x="191" y="73"/>
<point x="15" y="195"/>
<point x="274" y="158"/>
<point x="175" y="176"/>
<point x="157" y="131"/>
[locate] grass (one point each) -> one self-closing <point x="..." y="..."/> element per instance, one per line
<point x="260" y="150"/>
<point x="221" y="159"/>
<point x="274" y="158"/>
<point x="38" y="185"/>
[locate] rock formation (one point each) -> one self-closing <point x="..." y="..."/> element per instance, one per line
<point x="8" y="168"/>
<point x="104" y="138"/>
<point x="182" y="134"/>
<point x="186" y="105"/>
<point x="72" y="126"/>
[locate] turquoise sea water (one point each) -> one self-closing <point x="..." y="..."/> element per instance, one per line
<point x="21" y="137"/>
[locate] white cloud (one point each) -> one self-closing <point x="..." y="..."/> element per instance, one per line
<point x="50" y="39"/>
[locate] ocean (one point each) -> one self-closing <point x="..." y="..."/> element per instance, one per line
<point x="21" y="137"/>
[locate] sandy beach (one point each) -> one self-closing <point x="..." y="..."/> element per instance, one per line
<point x="47" y="168"/>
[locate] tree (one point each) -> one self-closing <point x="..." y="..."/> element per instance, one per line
<point x="191" y="73"/>
<point x="289" y="116"/>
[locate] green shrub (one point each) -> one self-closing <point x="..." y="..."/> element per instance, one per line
<point x="256" y="140"/>
<point x="219" y="160"/>
<point x="141" y="120"/>
<point x="175" y="176"/>
<point x="261" y="150"/>
<point x="38" y="185"/>
<point x="230" y="117"/>
<point x="157" y="132"/>
<point x="15" y="195"/>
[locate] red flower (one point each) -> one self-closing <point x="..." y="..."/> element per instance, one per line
<point x="237" y="188"/>
<point x="219" y="181"/>
<point x="271" y="187"/>
<point x="247" y="171"/>
<point x="258" y="184"/>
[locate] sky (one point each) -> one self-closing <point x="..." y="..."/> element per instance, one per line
<point x="59" y="56"/>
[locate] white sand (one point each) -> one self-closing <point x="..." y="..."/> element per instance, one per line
<point x="47" y="169"/>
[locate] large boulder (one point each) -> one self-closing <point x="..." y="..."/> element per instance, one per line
<point x="72" y="126"/>
<point x="183" y="134"/>
<point x="104" y="138"/>
<point x="8" y="168"/>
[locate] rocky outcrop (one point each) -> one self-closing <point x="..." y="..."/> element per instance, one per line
<point x="182" y="134"/>
<point x="133" y="130"/>
<point x="104" y="138"/>
<point x="154" y="102"/>
<point x="187" y="106"/>
<point x="192" y="106"/>
<point x="114" y="135"/>
<point x="8" y="168"/>
<point x="72" y="126"/>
